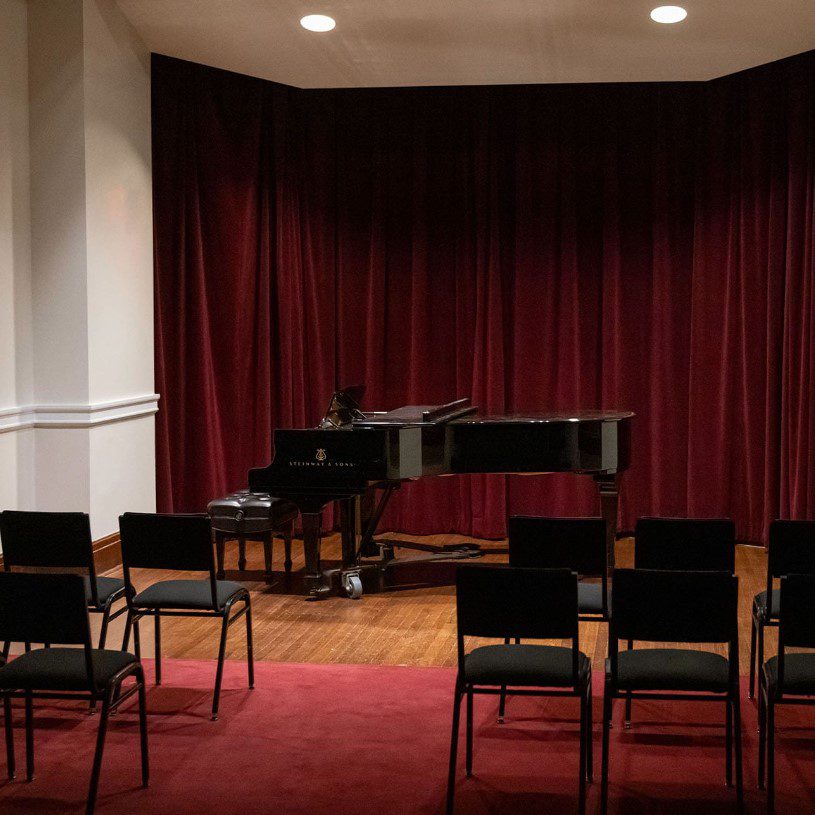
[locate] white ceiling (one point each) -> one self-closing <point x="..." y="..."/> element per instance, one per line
<point x="466" y="42"/>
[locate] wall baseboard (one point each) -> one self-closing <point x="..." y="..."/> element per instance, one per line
<point x="107" y="553"/>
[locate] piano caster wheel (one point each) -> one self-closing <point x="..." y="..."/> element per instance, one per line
<point x="352" y="585"/>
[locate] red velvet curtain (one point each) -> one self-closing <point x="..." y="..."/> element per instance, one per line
<point x="647" y="247"/>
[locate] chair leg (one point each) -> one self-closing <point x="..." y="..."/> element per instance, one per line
<point x="8" y="725"/>
<point x="145" y="763"/>
<point x="451" y="774"/>
<point x="219" y="673"/>
<point x="728" y="741"/>
<point x="589" y="736"/>
<point x="136" y="638"/>
<point x="607" y="709"/>
<point x="29" y="737"/>
<point x="737" y="744"/>
<point x="6" y="650"/>
<point x="751" y="692"/>
<point x="770" y="736"/>
<point x="759" y="645"/>
<point x="157" y="631"/>
<point x="469" y="732"/>
<point x="97" y="756"/>
<point x="250" y="655"/>
<point x="502" y="699"/>
<point x="502" y="704"/>
<point x="581" y="793"/>
<point x="126" y="635"/>
<point x="628" y="699"/>
<point x="762" y="733"/>
<point x="103" y="631"/>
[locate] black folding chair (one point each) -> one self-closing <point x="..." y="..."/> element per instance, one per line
<point x="60" y="540"/>
<point x="52" y="608"/>
<point x="499" y="602"/>
<point x="683" y="544"/>
<point x="789" y="678"/>
<point x="790" y="550"/>
<point x="675" y="607"/>
<point x="180" y="543"/>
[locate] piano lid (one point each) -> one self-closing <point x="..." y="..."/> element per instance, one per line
<point x="343" y="408"/>
<point x="417" y="415"/>
<point x="555" y="417"/>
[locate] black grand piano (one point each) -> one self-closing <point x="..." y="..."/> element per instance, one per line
<point x="359" y="458"/>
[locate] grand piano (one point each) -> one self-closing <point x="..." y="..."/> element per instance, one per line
<point x="359" y="458"/>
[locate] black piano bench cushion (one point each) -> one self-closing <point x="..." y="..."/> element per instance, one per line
<point x="760" y="602"/>
<point x="672" y="669"/>
<point x="799" y="673"/>
<point x="590" y="598"/>
<point x="545" y="666"/>
<point x="106" y="587"/>
<point x="192" y="594"/>
<point x="61" y="669"/>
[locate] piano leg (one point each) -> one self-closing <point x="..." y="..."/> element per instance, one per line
<point x="608" y="486"/>
<point x="349" y="523"/>
<point x="313" y="579"/>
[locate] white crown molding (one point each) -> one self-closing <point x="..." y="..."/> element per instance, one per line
<point x="74" y="416"/>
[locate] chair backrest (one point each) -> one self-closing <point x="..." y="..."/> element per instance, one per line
<point x="796" y="618"/>
<point x="172" y="542"/>
<point x="48" y="540"/>
<point x="664" y="606"/>
<point x="791" y="548"/>
<point x="685" y="544"/>
<point x="505" y="601"/>
<point x="501" y="601"/>
<point x="577" y="544"/>
<point x="43" y="608"/>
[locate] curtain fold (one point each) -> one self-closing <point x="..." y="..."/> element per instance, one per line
<point x="647" y="247"/>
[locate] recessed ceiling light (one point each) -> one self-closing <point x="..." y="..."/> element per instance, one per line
<point x="668" y="14"/>
<point x="317" y="22"/>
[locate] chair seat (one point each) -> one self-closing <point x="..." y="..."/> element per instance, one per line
<point x="799" y="673"/>
<point x="192" y="594"/>
<point x="760" y="603"/>
<point x="58" y="669"/>
<point x="672" y="669"/>
<point x="590" y="598"/>
<point x="106" y="587"/>
<point x="528" y="665"/>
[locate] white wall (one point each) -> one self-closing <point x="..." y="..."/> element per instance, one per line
<point x="76" y="309"/>
<point x="16" y="361"/>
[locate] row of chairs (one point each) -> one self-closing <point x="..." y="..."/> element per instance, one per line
<point x="682" y="590"/>
<point x="53" y="609"/>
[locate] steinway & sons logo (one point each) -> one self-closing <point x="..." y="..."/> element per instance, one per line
<point x="321" y="460"/>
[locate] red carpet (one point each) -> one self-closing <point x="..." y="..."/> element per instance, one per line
<point x="374" y="739"/>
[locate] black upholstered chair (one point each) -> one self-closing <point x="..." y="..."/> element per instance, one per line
<point x="675" y="607"/>
<point x="500" y="602"/>
<point x="53" y="608"/>
<point x="60" y="540"/>
<point x="790" y="550"/>
<point x="180" y="543"/>
<point x="683" y="544"/>
<point x="577" y="544"/>
<point x="788" y="678"/>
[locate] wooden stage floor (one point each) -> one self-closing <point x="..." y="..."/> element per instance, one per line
<point x="413" y="626"/>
